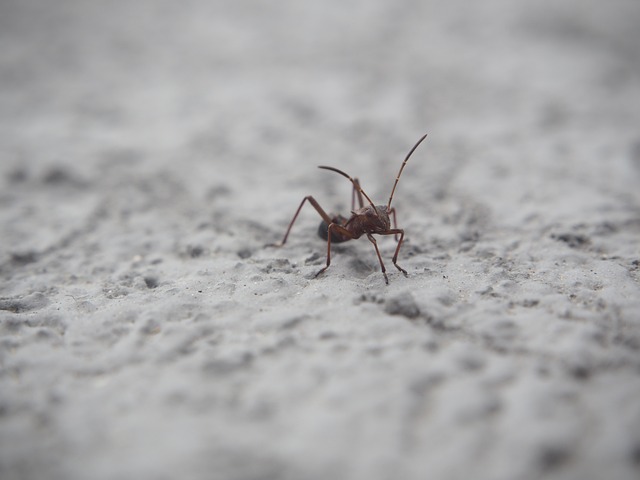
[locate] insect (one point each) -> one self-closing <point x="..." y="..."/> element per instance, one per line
<point x="367" y="220"/>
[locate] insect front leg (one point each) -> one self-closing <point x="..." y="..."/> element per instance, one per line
<point x="375" y="245"/>
<point x="392" y="213"/>
<point x="339" y="229"/>
<point x="397" y="231"/>
<point x="356" y="192"/>
<point x="315" y="205"/>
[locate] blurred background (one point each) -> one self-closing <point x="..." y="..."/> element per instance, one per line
<point x="150" y="148"/>
<point x="201" y="84"/>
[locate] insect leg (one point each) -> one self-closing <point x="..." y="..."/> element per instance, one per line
<point x="392" y="212"/>
<point x="315" y="205"/>
<point x="341" y="230"/>
<point x="354" y="192"/>
<point x="397" y="231"/>
<point x="375" y="245"/>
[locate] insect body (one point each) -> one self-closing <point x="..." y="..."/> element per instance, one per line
<point x="367" y="220"/>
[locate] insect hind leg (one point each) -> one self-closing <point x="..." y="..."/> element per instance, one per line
<point x="314" y="203"/>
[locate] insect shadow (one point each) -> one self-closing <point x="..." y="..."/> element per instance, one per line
<point x="367" y="220"/>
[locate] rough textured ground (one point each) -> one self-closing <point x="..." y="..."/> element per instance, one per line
<point x="149" y="150"/>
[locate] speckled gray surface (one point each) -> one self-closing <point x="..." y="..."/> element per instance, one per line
<point x="149" y="150"/>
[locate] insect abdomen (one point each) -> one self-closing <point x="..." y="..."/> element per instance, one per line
<point x="335" y="237"/>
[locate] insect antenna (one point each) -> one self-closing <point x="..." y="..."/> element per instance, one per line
<point x="402" y="168"/>
<point x="355" y="184"/>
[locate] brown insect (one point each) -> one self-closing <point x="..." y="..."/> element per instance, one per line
<point x="368" y="220"/>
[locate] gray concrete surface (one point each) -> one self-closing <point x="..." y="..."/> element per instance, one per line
<point x="148" y="152"/>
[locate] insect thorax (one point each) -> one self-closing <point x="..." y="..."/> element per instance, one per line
<point x="370" y="220"/>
